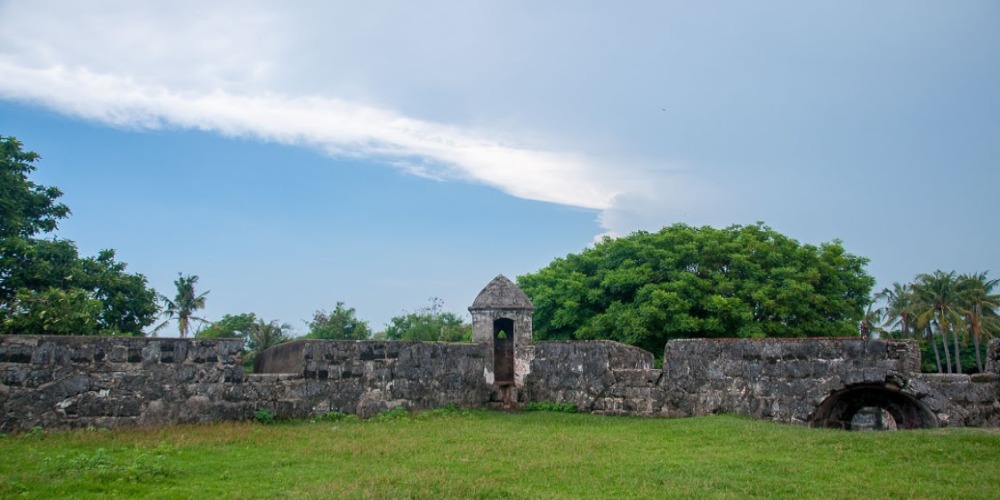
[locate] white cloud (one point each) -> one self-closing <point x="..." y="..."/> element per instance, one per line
<point x="129" y="65"/>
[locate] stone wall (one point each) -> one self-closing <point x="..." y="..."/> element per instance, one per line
<point x="56" y="381"/>
<point x="775" y="379"/>
<point x="598" y="376"/>
<point x="367" y="377"/>
<point x="119" y="381"/>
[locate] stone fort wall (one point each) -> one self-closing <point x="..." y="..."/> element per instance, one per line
<point x="69" y="382"/>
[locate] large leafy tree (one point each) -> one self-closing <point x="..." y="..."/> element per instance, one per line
<point x="430" y="324"/>
<point x="340" y="324"/>
<point x="682" y="281"/>
<point x="183" y="306"/>
<point x="230" y="326"/>
<point x="26" y="208"/>
<point x="45" y="286"/>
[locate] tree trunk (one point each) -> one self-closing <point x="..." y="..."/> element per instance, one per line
<point x="937" y="355"/>
<point x="958" y="359"/>
<point x="975" y="342"/>
<point x="947" y="352"/>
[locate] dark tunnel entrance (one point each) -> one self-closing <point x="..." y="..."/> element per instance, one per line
<point x="875" y="407"/>
<point x="503" y="351"/>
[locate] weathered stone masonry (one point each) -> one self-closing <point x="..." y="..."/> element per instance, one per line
<point x="113" y="381"/>
<point x="66" y="382"/>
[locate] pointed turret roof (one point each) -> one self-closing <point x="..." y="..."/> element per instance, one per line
<point x="502" y="293"/>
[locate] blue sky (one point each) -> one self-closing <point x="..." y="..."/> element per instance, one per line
<point x="385" y="153"/>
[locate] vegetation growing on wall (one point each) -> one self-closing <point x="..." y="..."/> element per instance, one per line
<point x="683" y="281"/>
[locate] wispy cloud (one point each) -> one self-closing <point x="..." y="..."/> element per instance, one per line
<point x="335" y="126"/>
<point x="122" y="67"/>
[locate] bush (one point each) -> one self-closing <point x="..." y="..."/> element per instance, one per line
<point x="264" y="416"/>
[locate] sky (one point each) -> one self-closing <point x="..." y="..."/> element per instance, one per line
<point x="382" y="153"/>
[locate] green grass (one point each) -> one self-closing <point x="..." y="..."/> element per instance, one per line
<point x="481" y="454"/>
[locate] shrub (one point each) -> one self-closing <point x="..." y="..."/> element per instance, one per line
<point x="264" y="416"/>
<point x="550" y="406"/>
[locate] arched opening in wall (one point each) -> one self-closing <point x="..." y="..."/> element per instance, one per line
<point x="872" y="407"/>
<point x="873" y="418"/>
<point x="503" y="351"/>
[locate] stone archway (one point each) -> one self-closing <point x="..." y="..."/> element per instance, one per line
<point x="839" y="410"/>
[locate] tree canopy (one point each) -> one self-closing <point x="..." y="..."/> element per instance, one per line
<point x="184" y="304"/>
<point x="45" y="286"/>
<point x="945" y="310"/>
<point x="230" y="326"/>
<point x="340" y="324"/>
<point x="683" y="281"/>
<point x="430" y="324"/>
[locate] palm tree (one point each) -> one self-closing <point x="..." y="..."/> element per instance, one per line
<point x="871" y="324"/>
<point x="937" y="302"/>
<point x="183" y="306"/>
<point x="979" y="305"/>
<point x="262" y="335"/>
<point x="898" y="308"/>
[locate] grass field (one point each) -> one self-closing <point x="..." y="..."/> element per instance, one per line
<point x="483" y="454"/>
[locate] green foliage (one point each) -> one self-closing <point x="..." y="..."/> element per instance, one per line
<point x="230" y="326"/>
<point x="264" y="416"/>
<point x="184" y="304"/>
<point x="26" y="208"/>
<point x="54" y="312"/>
<point x="261" y="335"/>
<point x="947" y="312"/>
<point x="396" y="413"/>
<point x="340" y="324"/>
<point x="335" y="416"/>
<point x="550" y="406"/>
<point x="430" y="324"/>
<point x="45" y="286"/>
<point x="142" y="464"/>
<point x="681" y="282"/>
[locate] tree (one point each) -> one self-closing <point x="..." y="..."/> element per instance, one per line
<point x="680" y="282"/>
<point x="25" y="207"/>
<point x="430" y="324"/>
<point x="230" y="326"/>
<point x="54" y="312"/>
<point x="341" y="324"/>
<point x="937" y="302"/>
<point x="870" y="325"/>
<point x="262" y="335"/>
<point x="184" y="305"/>
<point x="898" y="308"/>
<point x="979" y="306"/>
<point x="45" y="286"/>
